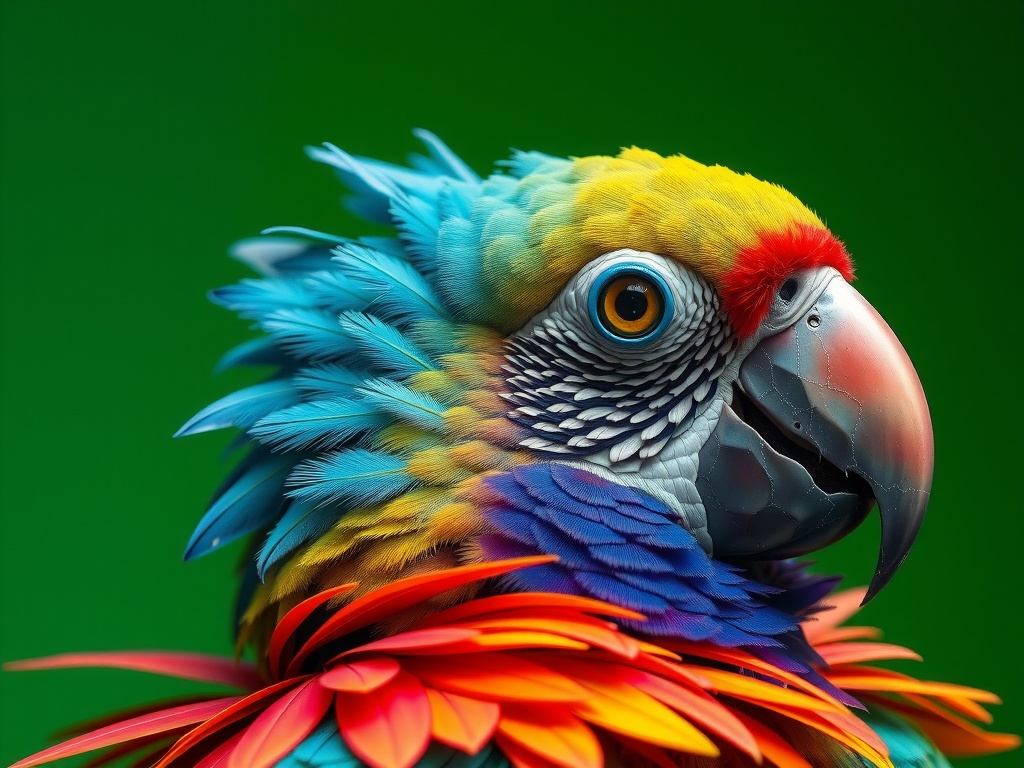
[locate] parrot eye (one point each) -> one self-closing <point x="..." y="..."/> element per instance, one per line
<point x="630" y="303"/>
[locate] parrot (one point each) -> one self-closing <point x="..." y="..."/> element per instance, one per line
<point x="527" y="478"/>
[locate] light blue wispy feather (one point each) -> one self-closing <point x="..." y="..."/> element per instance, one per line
<point x="418" y="222"/>
<point x="251" y="502"/>
<point x="243" y="408"/>
<point x="328" y="380"/>
<point x="440" y="160"/>
<point x="259" y="351"/>
<point x="253" y="299"/>
<point x="373" y="190"/>
<point x="353" y="477"/>
<point x="310" y="334"/>
<point x="406" y="404"/>
<point x="305" y="232"/>
<point x="301" y="522"/>
<point x="400" y="293"/>
<point x="317" y="425"/>
<point x="383" y="346"/>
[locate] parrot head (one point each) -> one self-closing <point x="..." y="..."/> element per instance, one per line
<point x="654" y="369"/>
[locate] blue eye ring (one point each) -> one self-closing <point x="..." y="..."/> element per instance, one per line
<point x="613" y="328"/>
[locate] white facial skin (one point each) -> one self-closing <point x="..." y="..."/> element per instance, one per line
<point x="637" y="413"/>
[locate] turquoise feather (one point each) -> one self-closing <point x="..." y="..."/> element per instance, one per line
<point x="317" y="425"/>
<point x="303" y="520"/>
<point x="405" y="404"/>
<point x="242" y="408"/>
<point x="384" y="347"/>
<point x="259" y="351"/>
<point x="251" y="502"/>
<point x="400" y="293"/>
<point x="309" y="334"/>
<point x="351" y="477"/>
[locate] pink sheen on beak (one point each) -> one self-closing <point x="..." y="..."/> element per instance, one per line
<point x="839" y="379"/>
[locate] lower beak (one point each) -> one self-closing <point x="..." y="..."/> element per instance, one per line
<point x="840" y="380"/>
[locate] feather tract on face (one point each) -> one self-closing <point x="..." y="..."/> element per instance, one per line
<point x="524" y="483"/>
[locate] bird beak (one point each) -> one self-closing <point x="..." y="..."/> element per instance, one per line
<point x="839" y="380"/>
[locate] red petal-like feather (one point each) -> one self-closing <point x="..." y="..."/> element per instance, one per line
<point x="188" y="666"/>
<point x="401" y="595"/>
<point x="953" y="735"/>
<point x="290" y="622"/>
<point x="242" y="707"/>
<point x="528" y="601"/>
<point x="282" y="727"/>
<point x="461" y="722"/>
<point x="388" y="727"/>
<point x="360" y="676"/>
<point x="552" y="732"/>
<point x="136" y="727"/>
<point x="218" y="757"/>
<point x="495" y="677"/>
<point x="835" y="654"/>
<point x="415" y="641"/>
<point x="701" y="708"/>
<point x="773" y="746"/>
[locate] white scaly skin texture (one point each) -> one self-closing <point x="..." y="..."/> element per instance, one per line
<point x="639" y="414"/>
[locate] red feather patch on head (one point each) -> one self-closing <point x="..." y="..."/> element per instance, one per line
<point x="750" y="286"/>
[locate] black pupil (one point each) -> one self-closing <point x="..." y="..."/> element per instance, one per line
<point x="631" y="303"/>
<point x="788" y="289"/>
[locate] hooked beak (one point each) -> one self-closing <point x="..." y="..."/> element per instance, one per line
<point x="837" y="383"/>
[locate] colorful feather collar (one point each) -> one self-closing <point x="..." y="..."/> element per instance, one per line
<point x="546" y="678"/>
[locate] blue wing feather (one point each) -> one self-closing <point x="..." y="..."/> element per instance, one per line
<point x="242" y="408"/>
<point x="353" y="477"/>
<point x="318" y="424"/>
<point x="250" y="503"/>
<point x="302" y="521"/>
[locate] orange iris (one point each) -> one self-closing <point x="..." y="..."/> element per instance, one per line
<point x="631" y="306"/>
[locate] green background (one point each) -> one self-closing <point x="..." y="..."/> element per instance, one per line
<point x="140" y="139"/>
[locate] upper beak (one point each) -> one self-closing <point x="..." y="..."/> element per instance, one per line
<point x="839" y="379"/>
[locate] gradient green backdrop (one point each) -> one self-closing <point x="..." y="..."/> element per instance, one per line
<point x="140" y="139"/>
